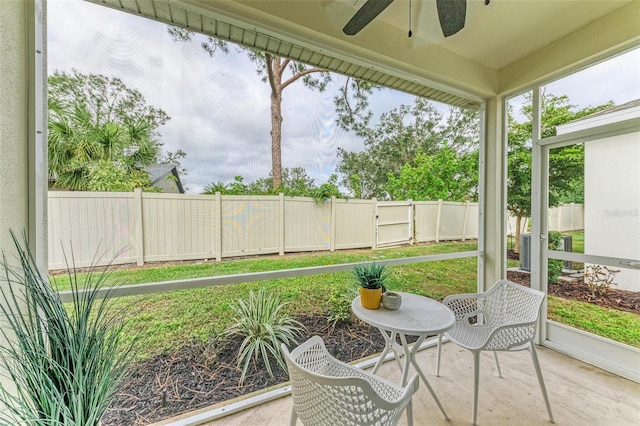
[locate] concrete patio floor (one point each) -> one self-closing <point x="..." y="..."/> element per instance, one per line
<point x="580" y="394"/>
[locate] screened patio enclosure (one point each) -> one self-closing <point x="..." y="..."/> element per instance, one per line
<point x="505" y="49"/>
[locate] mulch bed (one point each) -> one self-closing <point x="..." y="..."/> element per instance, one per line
<point x="199" y="375"/>
<point x="621" y="300"/>
<point x="202" y="374"/>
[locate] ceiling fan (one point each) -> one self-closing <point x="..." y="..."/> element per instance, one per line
<point x="451" y="14"/>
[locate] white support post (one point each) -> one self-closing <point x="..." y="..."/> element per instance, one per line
<point x="493" y="204"/>
<point x="37" y="131"/>
<point x="539" y="209"/>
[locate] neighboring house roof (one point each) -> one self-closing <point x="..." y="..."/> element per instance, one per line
<point x="165" y="176"/>
<point x="614" y="114"/>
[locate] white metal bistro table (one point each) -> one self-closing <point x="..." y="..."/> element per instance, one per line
<point x="417" y="316"/>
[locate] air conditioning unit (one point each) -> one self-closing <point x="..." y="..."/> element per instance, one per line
<point x="525" y="252"/>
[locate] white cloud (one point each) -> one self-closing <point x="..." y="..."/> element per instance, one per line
<point x="617" y="80"/>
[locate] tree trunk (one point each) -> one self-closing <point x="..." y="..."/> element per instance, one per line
<point x="516" y="245"/>
<point x="276" y="137"/>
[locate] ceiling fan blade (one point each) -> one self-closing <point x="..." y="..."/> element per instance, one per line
<point x="364" y="15"/>
<point x="451" y="14"/>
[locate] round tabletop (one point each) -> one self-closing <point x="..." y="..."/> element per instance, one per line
<point x="417" y="316"/>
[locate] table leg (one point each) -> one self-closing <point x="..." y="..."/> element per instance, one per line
<point x="410" y="352"/>
<point x="389" y="343"/>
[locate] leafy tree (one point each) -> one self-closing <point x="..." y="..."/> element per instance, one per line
<point x="441" y="176"/>
<point x="237" y="187"/>
<point x="397" y="140"/>
<point x="279" y="73"/>
<point x="296" y="183"/>
<point x="327" y="190"/>
<point x="566" y="165"/>
<point x="175" y="159"/>
<point x="352" y="105"/>
<point x="102" y="134"/>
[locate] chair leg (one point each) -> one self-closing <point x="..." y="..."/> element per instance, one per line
<point x="294" y="417"/>
<point x="476" y="382"/>
<point x="409" y="413"/>
<point x="536" y="364"/>
<point x="438" y="358"/>
<point x="495" y="355"/>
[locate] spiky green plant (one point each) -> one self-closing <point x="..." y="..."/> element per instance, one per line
<point x="371" y="275"/>
<point x="264" y="325"/>
<point x="65" y="361"/>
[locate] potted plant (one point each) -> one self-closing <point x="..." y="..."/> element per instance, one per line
<point x="64" y="359"/>
<point x="371" y="278"/>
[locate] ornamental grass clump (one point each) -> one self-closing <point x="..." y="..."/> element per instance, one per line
<point x="264" y="325"/>
<point x="371" y="276"/>
<point x="65" y="360"/>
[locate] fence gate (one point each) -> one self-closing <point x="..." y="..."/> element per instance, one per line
<point x="394" y="223"/>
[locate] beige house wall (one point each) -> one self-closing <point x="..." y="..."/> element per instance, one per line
<point x="22" y="129"/>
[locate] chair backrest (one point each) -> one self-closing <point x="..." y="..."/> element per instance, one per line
<point x="514" y="310"/>
<point x="513" y="303"/>
<point x="326" y="391"/>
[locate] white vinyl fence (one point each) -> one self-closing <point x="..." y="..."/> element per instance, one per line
<point x="567" y="217"/>
<point x="139" y="227"/>
<point x="562" y="218"/>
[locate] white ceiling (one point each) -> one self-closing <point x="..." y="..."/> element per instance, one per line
<point x="494" y="35"/>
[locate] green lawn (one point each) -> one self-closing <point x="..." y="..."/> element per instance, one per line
<point x="621" y="326"/>
<point x="577" y="240"/>
<point x="166" y="321"/>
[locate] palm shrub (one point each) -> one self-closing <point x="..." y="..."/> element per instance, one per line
<point x="65" y="361"/>
<point x="264" y="325"/>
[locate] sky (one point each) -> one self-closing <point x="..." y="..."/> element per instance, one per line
<point x="219" y="107"/>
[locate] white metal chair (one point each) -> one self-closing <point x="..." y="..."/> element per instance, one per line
<point x="504" y="318"/>
<point x="327" y="391"/>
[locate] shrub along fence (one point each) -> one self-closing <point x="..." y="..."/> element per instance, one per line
<point x="142" y="227"/>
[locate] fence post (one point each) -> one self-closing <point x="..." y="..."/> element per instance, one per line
<point x="466" y="217"/>
<point x="559" y="226"/>
<point x="332" y="225"/>
<point x="412" y="237"/>
<point x="217" y="226"/>
<point x="438" y="221"/>
<point x="137" y="208"/>
<point x="281" y="224"/>
<point x="374" y="244"/>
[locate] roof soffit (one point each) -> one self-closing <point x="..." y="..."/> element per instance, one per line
<point x="233" y="21"/>
<point x="462" y="71"/>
